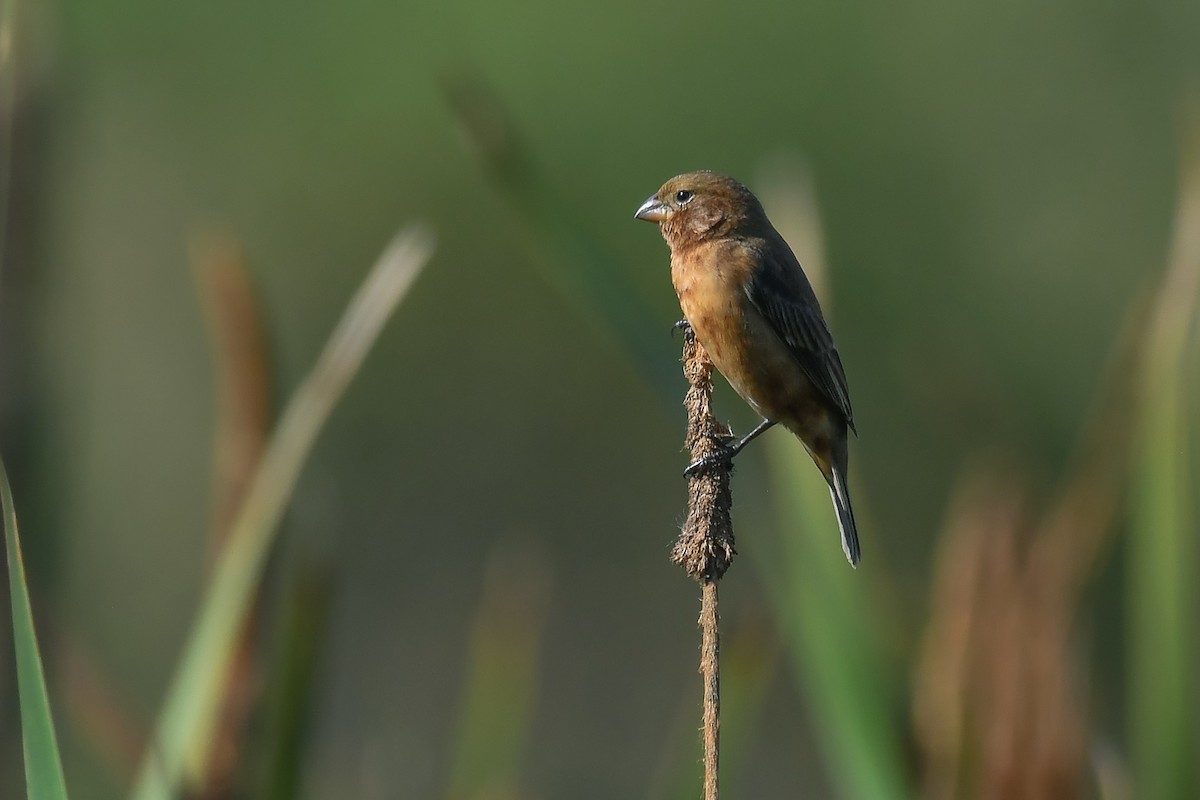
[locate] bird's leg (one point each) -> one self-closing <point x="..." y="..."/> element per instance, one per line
<point x="751" y="436"/>
<point x="682" y="325"/>
<point x="727" y="452"/>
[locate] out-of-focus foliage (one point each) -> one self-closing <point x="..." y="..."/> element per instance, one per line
<point x="178" y="755"/>
<point x="43" y="767"/>
<point x="1164" y="554"/>
<point x="995" y="186"/>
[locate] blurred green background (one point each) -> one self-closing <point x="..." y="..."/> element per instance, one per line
<point x="996" y="187"/>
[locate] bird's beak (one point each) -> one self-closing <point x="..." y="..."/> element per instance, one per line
<point x="653" y="210"/>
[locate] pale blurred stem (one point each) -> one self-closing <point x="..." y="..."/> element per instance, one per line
<point x="241" y="373"/>
<point x="243" y="401"/>
<point x="705" y="545"/>
<point x="710" y="670"/>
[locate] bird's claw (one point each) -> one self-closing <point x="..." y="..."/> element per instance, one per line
<point x="682" y="325"/>
<point x="721" y="457"/>
<point x="708" y="462"/>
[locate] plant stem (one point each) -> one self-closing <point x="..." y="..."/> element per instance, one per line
<point x="705" y="545"/>
<point x="710" y="670"/>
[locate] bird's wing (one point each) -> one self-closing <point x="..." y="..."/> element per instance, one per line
<point x="781" y="293"/>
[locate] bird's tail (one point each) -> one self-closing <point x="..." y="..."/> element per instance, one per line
<point x="840" y="493"/>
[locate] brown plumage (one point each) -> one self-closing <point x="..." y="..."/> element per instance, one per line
<point x="751" y="305"/>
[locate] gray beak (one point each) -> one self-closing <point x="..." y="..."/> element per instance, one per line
<point x="653" y="210"/>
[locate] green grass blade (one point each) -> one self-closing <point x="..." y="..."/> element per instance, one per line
<point x="183" y="737"/>
<point x="294" y="670"/>
<point x="828" y="613"/>
<point x="43" y="767"/>
<point x="1163" y="551"/>
<point x="501" y="681"/>
<point x="575" y="263"/>
<point x="828" y="627"/>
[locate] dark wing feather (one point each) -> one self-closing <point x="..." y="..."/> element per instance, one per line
<point x="782" y="294"/>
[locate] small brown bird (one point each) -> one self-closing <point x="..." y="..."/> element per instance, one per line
<point x="745" y="295"/>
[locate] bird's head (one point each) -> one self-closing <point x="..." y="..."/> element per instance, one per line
<point x="702" y="205"/>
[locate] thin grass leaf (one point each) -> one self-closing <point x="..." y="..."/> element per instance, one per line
<point x="183" y="737"/>
<point x="829" y="629"/>
<point x="501" y="684"/>
<point x="43" y="767"/>
<point x="827" y="615"/>
<point x="583" y="269"/>
<point x="1163" y="551"/>
<point x="293" y="672"/>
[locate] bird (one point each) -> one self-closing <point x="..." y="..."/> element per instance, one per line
<point x="746" y="297"/>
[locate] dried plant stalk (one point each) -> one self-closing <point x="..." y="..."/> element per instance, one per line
<point x="710" y="671"/>
<point x="705" y="545"/>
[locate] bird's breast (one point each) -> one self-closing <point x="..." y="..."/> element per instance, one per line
<point x="713" y="302"/>
<point x="740" y="342"/>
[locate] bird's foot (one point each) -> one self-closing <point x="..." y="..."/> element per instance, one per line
<point x="682" y="325"/>
<point x="722" y="456"/>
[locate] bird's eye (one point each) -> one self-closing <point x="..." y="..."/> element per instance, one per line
<point x="683" y="196"/>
